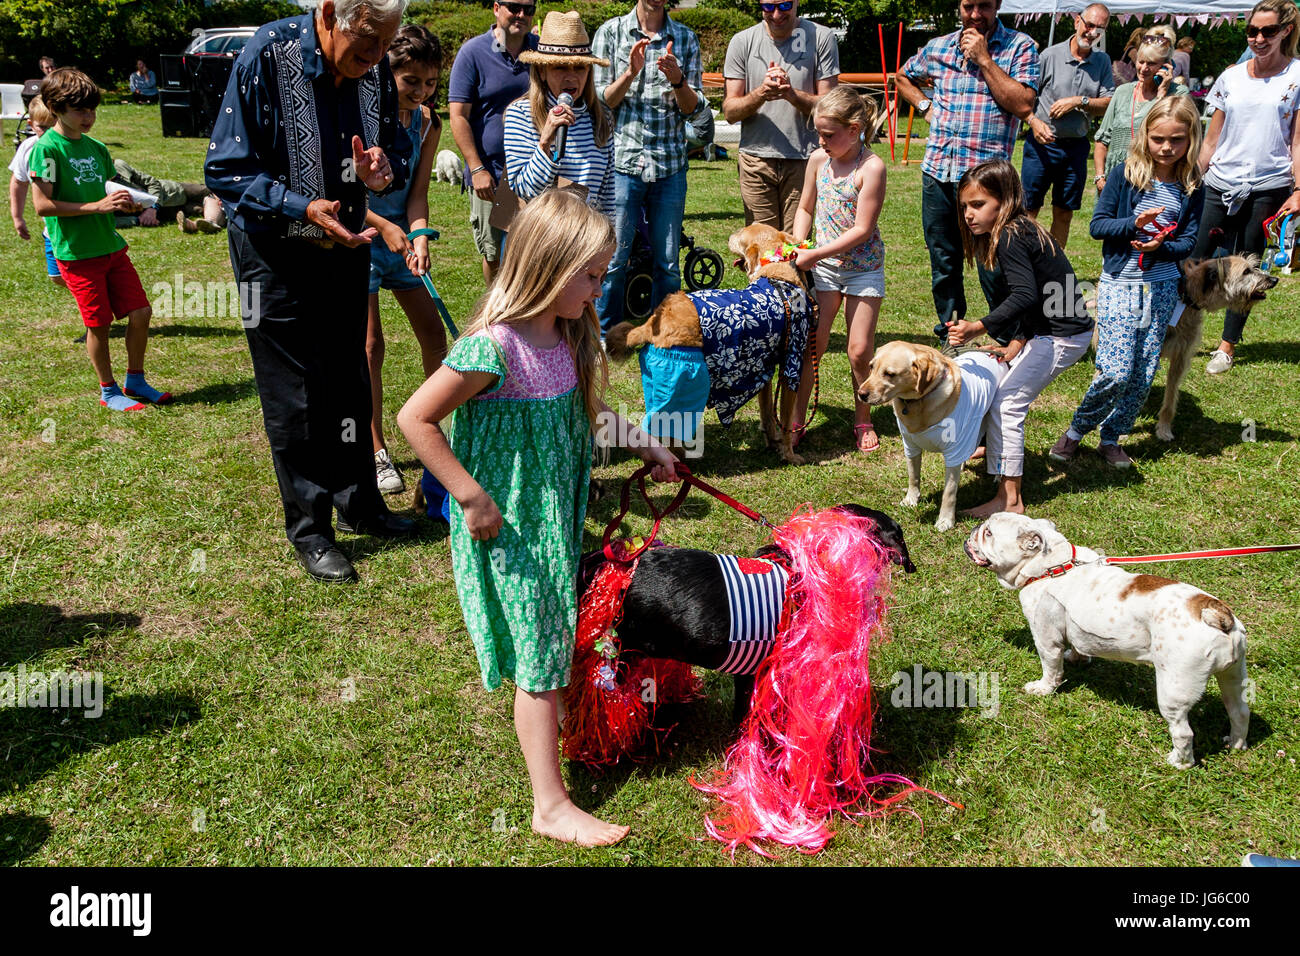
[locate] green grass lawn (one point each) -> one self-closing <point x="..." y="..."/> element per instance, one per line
<point x="253" y="716"/>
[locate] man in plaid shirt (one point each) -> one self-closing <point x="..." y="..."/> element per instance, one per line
<point x="985" y="79"/>
<point x="654" y="86"/>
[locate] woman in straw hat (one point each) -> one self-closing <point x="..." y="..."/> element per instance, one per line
<point x="561" y="65"/>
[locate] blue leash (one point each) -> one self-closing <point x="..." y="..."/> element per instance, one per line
<point x="437" y="501"/>
<point x="428" y="284"/>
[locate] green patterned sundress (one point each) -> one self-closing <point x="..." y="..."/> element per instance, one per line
<point x="527" y="441"/>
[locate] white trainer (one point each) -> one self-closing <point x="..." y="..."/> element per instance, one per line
<point x="386" y="475"/>
<point x="1219" y="363"/>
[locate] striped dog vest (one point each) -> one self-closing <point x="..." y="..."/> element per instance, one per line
<point x="755" y="595"/>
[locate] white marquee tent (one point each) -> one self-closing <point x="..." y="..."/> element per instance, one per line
<point x="1210" y="12"/>
<point x="1201" y="10"/>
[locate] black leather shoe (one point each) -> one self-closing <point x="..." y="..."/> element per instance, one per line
<point x="386" y="525"/>
<point x="327" y="564"/>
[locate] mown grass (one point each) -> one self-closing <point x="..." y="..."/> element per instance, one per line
<point x="149" y="547"/>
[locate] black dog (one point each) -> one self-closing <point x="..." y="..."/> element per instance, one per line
<point x="677" y="606"/>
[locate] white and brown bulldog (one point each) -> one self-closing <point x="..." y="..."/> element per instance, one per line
<point x="940" y="406"/>
<point x="1078" y="606"/>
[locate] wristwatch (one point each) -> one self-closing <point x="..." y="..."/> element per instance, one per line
<point x="923" y="106"/>
<point x="680" y="83"/>
<point x="1083" y="101"/>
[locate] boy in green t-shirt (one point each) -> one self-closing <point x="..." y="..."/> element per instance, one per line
<point x="70" y="170"/>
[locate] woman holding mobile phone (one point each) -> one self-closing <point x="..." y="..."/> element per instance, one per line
<point x="1123" y="117"/>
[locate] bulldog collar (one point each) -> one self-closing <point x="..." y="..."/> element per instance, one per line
<point x="1055" y="571"/>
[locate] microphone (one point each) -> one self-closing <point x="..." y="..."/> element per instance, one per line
<point x="558" y="153"/>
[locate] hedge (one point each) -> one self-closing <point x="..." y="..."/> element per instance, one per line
<point x="453" y="23"/>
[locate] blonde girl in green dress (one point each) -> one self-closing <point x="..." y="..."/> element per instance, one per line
<point x="523" y="388"/>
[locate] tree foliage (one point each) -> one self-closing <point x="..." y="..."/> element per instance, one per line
<point x="105" y="37"/>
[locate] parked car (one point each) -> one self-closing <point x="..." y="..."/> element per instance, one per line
<point x="219" y="41"/>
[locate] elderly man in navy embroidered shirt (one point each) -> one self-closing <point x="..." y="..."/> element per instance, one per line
<point x="306" y="127"/>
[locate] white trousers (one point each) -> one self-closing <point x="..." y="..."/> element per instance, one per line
<point x="1041" y="360"/>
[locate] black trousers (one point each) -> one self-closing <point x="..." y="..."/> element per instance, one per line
<point x="1242" y="232"/>
<point x="305" y="318"/>
<point x="940" y="220"/>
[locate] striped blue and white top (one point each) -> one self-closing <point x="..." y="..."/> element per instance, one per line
<point x="531" y="170"/>
<point x="754" y="599"/>
<point x="1172" y="197"/>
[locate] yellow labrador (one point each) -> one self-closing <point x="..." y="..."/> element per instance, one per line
<point x="940" y="404"/>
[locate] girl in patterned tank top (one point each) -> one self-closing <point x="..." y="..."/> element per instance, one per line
<point x="844" y="186"/>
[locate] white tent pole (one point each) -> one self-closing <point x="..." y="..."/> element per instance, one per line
<point x="1051" y="30"/>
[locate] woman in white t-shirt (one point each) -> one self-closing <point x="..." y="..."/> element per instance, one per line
<point x="1251" y="154"/>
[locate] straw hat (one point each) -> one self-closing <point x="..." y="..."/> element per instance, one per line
<point x="563" y="42"/>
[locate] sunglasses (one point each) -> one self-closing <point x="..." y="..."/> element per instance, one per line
<point x="772" y="7"/>
<point x="1156" y="38"/>
<point x="1092" y="27"/>
<point x="521" y="9"/>
<point x="1270" y="31"/>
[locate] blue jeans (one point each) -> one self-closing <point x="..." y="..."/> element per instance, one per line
<point x="664" y="202"/>
<point x="940" y="215"/>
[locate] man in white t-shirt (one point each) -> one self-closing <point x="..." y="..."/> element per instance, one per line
<point x="775" y="73"/>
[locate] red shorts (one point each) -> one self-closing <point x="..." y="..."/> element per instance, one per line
<point x="105" y="287"/>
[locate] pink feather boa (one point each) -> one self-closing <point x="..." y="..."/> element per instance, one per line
<point x="803" y="753"/>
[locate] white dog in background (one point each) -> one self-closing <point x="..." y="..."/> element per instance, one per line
<point x="1078" y="606"/>
<point x="447" y="167"/>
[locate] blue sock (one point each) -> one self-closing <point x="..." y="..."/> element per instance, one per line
<point x="137" y="387"/>
<point x="111" y="396"/>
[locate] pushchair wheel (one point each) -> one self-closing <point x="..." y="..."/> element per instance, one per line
<point x="703" y="269"/>
<point x="637" y="295"/>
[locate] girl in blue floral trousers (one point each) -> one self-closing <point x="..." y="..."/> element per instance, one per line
<point x="1147" y="220"/>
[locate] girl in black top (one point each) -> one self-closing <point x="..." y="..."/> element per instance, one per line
<point x="1041" y="323"/>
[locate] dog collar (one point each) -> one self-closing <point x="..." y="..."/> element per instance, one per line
<point x="907" y="401"/>
<point x="1054" y="572"/>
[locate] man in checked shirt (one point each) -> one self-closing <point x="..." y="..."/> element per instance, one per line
<point x="654" y="87"/>
<point x="985" y="79"/>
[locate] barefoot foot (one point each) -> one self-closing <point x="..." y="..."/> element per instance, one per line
<point x="994" y="506"/>
<point x="570" y="825"/>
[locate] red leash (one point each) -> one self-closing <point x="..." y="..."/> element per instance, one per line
<point x="688" y="479"/>
<point x="1057" y="570"/>
<point x="1191" y="555"/>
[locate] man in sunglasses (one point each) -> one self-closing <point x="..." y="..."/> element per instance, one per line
<point x="654" y="87"/>
<point x="775" y="72"/>
<point x="985" y="77"/>
<point x="1076" y="85"/>
<point x="307" y="128"/>
<point x="486" y="77"/>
